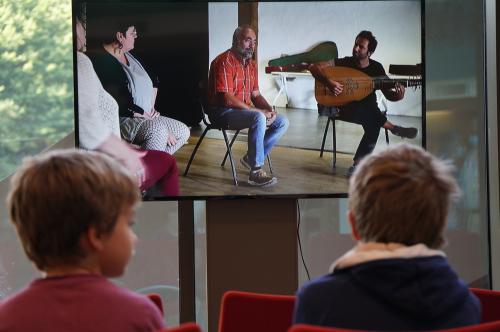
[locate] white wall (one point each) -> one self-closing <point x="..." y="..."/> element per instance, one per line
<point x="222" y="20"/>
<point x="294" y="27"/>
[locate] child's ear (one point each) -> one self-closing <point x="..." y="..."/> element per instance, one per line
<point x="352" y="222"/>
<point x="94" y="239"/>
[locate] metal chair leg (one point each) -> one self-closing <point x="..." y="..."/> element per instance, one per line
<point x="386" y="131"/>
<point x="334" y="135"/>
<point x="324" y="136"/>
<point x="235" y="178"/>
<point x="231" y="146"/>
<point x="196" y="149"/>
<point x="270" y="164"/>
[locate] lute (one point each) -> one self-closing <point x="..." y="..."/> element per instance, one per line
<point x="356" y="85"/>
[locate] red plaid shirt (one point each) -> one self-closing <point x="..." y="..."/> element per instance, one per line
<point x="228" y="74"/>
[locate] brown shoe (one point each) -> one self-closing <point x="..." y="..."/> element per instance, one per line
<point x="260" y="178"/>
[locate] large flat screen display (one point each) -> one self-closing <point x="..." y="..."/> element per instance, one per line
<point x="170" y="67"/>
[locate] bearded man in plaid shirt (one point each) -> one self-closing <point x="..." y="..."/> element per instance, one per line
<point x="235" y="100"/>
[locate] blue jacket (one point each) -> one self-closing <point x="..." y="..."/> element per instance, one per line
<point x="400" y="294"/>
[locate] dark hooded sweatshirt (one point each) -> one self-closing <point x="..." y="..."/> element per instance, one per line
<point x="402" y="294"/>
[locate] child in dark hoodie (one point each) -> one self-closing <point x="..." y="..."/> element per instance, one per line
<point x="395" y="278"/>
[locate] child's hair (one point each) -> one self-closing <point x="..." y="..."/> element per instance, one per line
<point x="402" y="195"/>
<point x="55" y="197"/>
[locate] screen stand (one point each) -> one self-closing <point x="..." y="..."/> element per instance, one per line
<point x="187" y="277"/>
<point x="251" y="246"/>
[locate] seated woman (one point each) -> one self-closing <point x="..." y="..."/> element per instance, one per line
<point x="99" y="130"/>
<point x="127" y="80"/>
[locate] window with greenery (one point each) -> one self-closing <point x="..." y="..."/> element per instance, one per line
<point x="36" y="78"/>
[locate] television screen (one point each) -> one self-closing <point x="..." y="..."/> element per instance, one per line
<point x="300" y="94"/>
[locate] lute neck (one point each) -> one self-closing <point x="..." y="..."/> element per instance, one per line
<point x="388" y="83"/>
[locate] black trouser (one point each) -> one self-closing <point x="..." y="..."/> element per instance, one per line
<point x="371" y="119"/>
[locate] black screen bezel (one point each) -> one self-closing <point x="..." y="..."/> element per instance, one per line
<point x="77" y="3"/>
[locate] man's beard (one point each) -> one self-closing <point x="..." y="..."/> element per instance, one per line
<point x="246" y="53"/>
<point x="359" y="56"/>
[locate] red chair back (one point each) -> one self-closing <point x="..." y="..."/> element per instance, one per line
<point x="484" y="327"/>
<point x="156" y="300"/>
<point x="250" y="312"/>
<point x="490" y="301"/>
<point x="187" y="327"/>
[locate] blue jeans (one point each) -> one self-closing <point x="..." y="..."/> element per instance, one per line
<point x="261" y="138"/>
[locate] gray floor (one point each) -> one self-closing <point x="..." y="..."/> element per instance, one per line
<point x="307" y="128"/>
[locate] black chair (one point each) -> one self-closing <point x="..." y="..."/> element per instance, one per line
<point x="222" y="127"/>
<point x="335" y="115"/>
<point x="231" y="145"/>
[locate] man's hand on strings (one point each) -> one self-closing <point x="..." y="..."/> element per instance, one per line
<point x="336" y="87"/>
<point x="399" y="91"/>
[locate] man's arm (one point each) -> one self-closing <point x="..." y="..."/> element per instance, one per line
<point x="222" y="72"/>
<point x="392" y="94"/>
<point x="260" y="102"/>
<point x="318" y="72"/>
<point x="263" y="106"/>
<point x="228" y="100"/>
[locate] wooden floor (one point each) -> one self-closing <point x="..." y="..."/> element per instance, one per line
<point x="296" y="161"/>
<point x="306" y="131"/>
<point x="299" y="171"/>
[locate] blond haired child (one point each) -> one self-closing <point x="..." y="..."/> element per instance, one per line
<point x="396" y="278"/>
<point x="73" y="211"/>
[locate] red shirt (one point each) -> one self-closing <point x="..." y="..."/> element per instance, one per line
<point x="85" y="302"/>
<point x="228" y="74"/>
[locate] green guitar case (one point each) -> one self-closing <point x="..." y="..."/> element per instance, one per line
<point x="322" y="52"/>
